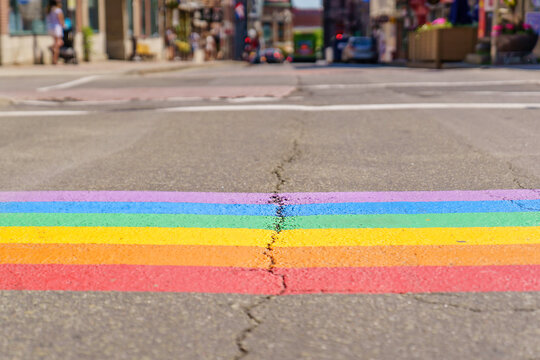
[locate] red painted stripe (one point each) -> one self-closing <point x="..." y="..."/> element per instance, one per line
<point x="259" y="281"/>
<point x="412" y="279"/>
<point x="138" y="278"/>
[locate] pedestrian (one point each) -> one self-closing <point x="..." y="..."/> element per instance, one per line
<point x="194" y="42"/>
<point x="210" y="47"/>
<point x="55" y="27"/>
<point x="381" y="42"/>
<point x="171" y="43"/>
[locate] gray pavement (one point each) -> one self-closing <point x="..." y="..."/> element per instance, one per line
<point x="118" y="148"/>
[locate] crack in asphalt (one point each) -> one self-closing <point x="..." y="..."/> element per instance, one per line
<point x="422" y="299"/>
<point x="279" y="224"/>
<point x="515" y="178"/>
<point x="522" y="206"/>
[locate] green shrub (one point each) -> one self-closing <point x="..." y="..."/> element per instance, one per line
<point x="88" y="34"/>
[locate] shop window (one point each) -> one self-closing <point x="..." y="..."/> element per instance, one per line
<point x="281" y="32"/>
<point x="154" y="18"/>
<point x="129" y="4"/>
<point x="267" y="31"/>
<point x="93" y="14"/>
<point x="27" y="17"/>
<point x="143" y="17"/>
<point x="147" y="18"/>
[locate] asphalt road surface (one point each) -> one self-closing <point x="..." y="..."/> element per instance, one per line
<point x="287" y="133"/>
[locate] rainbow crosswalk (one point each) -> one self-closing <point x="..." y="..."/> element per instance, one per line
<point x="385" y="242"/>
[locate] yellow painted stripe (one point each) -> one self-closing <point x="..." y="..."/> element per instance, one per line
<point x="404" y="236"/>
<point x="257" y="237"/>
<point x="135" y="236"/>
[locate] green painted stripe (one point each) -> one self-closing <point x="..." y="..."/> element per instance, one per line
<point x="413" y="220"/>
<point x="138" y="220"/>
<point x="268" y="222"/>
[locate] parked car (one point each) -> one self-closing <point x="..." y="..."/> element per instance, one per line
<point x="360" y="48"/>
<point x="272" y="55"/>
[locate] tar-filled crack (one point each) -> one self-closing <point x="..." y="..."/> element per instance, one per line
<point x="279" y="224"/>
<point x="280" y="219"/>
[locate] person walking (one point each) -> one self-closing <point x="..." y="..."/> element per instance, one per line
<point x="55" y="27"/>
<point x="170" y="37"/>
<point x="378" y="33"/>
<point x="194" y="38"/>
<point x="210" y="47"/>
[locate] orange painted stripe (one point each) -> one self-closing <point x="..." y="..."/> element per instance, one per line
<point x="254" y="257"/>
<point x="374" y="256"/>
<point x="106" y="254"/>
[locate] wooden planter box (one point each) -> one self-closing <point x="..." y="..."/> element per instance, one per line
<point x="440" y="45"/>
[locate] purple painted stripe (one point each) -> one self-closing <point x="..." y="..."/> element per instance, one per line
<point x="261" y="198"/>
<point x="138" y="196"/>
<point x="411" y="196"/>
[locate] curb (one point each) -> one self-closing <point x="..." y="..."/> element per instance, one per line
<point x="180" y="67"/>
<point x="145" y="69"/>
<point x="4" y="101"/>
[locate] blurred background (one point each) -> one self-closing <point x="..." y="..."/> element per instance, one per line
<point x="258" y="31"/>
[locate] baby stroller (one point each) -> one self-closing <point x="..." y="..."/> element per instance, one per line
<point x="67" y="51"/>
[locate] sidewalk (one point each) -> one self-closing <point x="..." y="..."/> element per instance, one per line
<point x="107" y="67"/>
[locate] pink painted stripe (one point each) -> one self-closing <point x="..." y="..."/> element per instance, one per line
<point x="262" y="198"/>
<point x="372" y="280"/>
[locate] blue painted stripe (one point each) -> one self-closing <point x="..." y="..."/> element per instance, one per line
<point x="138" y="208"/>
<point x="439" y="207"/>
<point x="270" y="209"/>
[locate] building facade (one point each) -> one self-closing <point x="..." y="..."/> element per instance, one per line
<point x="24" y="38"/>
<point x="277" y="24"/>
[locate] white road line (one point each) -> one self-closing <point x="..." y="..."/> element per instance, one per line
<point x="43" y="113"/>
<point x="505" y="93"/>
<point x="423" y="84"/>
<point x="249" y="99"/>
<point x="51" y="103"/>
<point x="357" y="107"/>
<point x="69" y="84"/>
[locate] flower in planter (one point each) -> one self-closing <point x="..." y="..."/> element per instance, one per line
<point x="497" y="30"/>
<point x="439" y="21"/>
<point x="527" y="29"/>
<point x="508" y="28"/>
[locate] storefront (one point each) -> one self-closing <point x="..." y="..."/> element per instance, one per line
<point x="23" y="31"/>
<point x="113" y="24"/>
<point x="146" y="19"/>
<point x="194" y="22"/>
